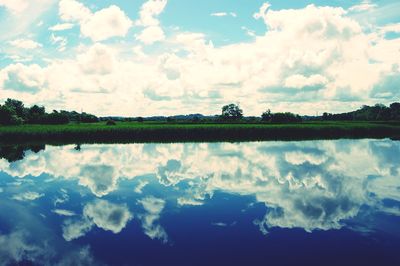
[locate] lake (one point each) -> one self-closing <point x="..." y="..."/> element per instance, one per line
<point x="331" y="202"/>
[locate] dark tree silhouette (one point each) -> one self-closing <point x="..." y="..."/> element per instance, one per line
<point x="232" y="112"/>
<point x="266" y="116"/>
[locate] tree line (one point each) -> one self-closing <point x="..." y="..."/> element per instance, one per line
<point x="378" y="112"/>
<point x="14" y="112"/>
<point x="232" y="112"/>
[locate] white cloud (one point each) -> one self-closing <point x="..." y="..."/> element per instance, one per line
<point x="316" y="47"/>
<point x="365" y="5"/>
<point x="22" y="78"/>
<point x="149" y="12"/>
<point x="151" y="35"/>
<point x="108" y="216"/>
<point x="23" y="17"/>
<point x="15" y="6"/>
<point x="25" y="44"/>
<point x="101" y="25"/>
<point x="105" y="215"/>
<point x="391" y="28"/>
<point x="106" y="23"/>
<point x="185" y="201"/>
<point x="140" y="186"/>
<point x="76" y="229"/>
<point x="219" y="14"/>
<point x="63" y="212"/>
<point x="99" y="59"/>
<point x="72" y="10"/>
<point x="223" y="14"/>
<point x="300" y="81"/>
<point x="60" y="41"/>
<point x="100" y="179"/>
<point x="278" y="175"/>
<point x="153" y="207"/>
<point x="263" y="10"/>
<point x="248" y="31"/>
<point x="17" y="247"/>
<point x="28" y="196"/>
<point x="61" y="27"/>
<point x="298" y="158"/>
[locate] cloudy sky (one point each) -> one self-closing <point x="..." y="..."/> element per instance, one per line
<point x="119" y="57"/>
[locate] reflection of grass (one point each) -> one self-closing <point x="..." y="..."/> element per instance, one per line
<point x="175" y="132"/>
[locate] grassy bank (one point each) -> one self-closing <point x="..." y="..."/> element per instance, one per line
<point x="181" y="132"/>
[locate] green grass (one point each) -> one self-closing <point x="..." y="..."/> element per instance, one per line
<point x="181" y="132"/>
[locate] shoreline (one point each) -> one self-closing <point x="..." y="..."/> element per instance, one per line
<point x="133" y="132"/>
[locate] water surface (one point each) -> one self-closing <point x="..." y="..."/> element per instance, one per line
<point x="262" y="203"/>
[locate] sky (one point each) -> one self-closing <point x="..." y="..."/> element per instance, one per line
<point x="168" y="57"/>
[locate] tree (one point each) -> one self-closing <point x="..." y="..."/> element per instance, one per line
<point x="8" y="116"/>
<point x="56" y="118"/>
<point x="266" y="116"/>
<point x="17" y="106"/>
<point x="395" y="111"/>
<point x="232" y="112"/>
<point x="36" y="114"/>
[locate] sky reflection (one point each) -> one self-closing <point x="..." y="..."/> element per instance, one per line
<point x="99" y="204"/>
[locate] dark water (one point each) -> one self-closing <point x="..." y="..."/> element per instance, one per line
<point x="266" y="203"/>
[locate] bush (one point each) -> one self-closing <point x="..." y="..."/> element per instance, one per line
<point x="285" y="118"/>
<point x="88" y="118"/>
<point x="111" y="123"/>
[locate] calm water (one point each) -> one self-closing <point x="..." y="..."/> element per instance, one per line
<point x="266" y="203"/>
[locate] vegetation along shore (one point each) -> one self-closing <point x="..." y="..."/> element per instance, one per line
<point x="19" y="124"/>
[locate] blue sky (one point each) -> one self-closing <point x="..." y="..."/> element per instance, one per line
<point x="185" y="56"/>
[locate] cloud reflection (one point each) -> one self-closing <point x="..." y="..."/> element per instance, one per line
<point x="309" y="185"/>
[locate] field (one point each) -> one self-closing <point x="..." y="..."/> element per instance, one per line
<point x="187" y="132"/>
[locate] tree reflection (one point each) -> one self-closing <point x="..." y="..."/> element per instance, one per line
<point x="13" y="153"/>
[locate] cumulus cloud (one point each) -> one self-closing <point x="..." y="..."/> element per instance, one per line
<point x="303" y="62"/>
<point x="149" y="12"/>
<point x="106" y="23"/>
<point x="151" y="35"/>
<point x="22" y="78"/>
<point x="148" y="18"/>
<point x="99" y="59"/>
<point x="101" y="25"/>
